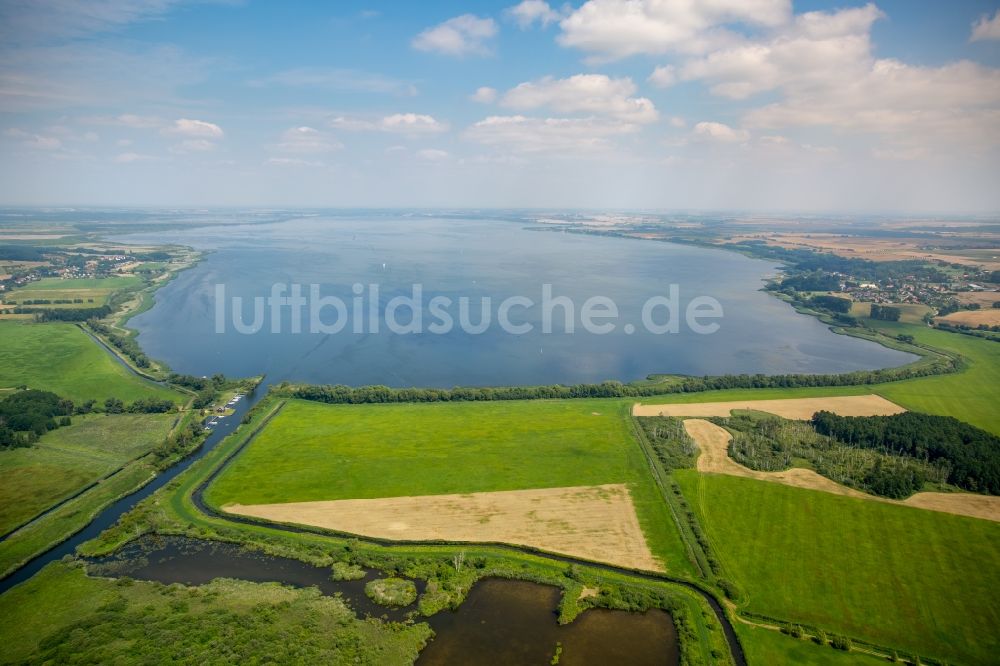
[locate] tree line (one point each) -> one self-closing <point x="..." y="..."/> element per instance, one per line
<point x="341" y="394"/>
<point x="122" y="343"/>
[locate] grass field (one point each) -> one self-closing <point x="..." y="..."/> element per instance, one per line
<point x="907" y="578"/>
<point x="314" y="452"/>
<point x="61" y="358"/>
<point x="766" y="646"/>
<point x="971" y="396"/>
<point x="910" y="313"/>
<point x="93" y="292"/>
<point x="67" y="459"/>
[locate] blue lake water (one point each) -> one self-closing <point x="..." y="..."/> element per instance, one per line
<point x="476" y="259"/>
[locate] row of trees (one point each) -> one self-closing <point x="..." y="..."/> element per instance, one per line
<point x="66" y="314"/>
<point x="971" y="455"/>
<point x="341" y="394"/>
<point x="140" y="406"/>
<point x="122" y="343"/>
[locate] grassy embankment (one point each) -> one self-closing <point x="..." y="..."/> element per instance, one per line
<point x="172" y="511"/>
<point x="314" y="451"/>
<point x="61" y="358"/>
<point x="915" y="580"/>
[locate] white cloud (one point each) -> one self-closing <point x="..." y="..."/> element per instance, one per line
<point x="823" y="71"/>
<point x="484" y="95"/>
<point x="307" y="140"/>
<point x="587" y="93"/>
<point x="720" y="132"/>
<point x="899" y="154"/>
<point x="129" y="120"/>
<point x="663" y="76"/>
<point x="433" y="154"/>
<point x="399" y="123"/>
<point x="347" y="80"/>
<point x="619" y="28"/>
<point x="34" y="141"/>
<point x="39" y="20"/>
<point x="551" y="136"/>
<point x="528" y="12"/>
<point x="411" y="123"/>
<point x="986" y="28"/>
<point x="194" y="128"/>
<point x="128" y="158"/>
<point x="193" y="146"/>
<point x="351" y="124"/>
<point x="292" y="162"/>
<point x="463" y="35"/>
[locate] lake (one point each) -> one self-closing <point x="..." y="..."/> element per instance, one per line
<point x="192" y="326"/>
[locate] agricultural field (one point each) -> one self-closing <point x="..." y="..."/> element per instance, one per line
<point x="909" y="313"/>
<point x="989" y="317"/>
<point x="317" y="452"/>
<point x="593" y="522"/>
<point x="906" y="578"/>
<point x="93" y="292"/>
<point x="65" y="460"/>
<point x="61" y="358"/>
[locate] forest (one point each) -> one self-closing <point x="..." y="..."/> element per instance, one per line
<point x="25" y="415"/>
<point x="971" y="455"/>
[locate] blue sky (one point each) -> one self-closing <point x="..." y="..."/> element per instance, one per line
<point x="674" y="104"/>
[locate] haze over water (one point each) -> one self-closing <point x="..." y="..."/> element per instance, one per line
<point x="477" y="258"/>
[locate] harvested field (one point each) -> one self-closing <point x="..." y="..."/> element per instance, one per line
<point x="593" y="522"/>
<point x="990" y="317"/>
<point x="984" y="298"/>
<point x="876" y="249"/>
<point x="713" y="441"/>
<point x="791" y="408"/>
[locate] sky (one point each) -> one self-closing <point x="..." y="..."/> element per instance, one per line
<point x="761" y="105"/>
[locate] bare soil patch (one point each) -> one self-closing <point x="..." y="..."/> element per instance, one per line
<point x="790" y="408"/>
<point x="594" y="522"/>
<point x="714" y="458"/>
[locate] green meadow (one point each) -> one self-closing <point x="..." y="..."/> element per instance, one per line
<point x="61" y="358"/>
<point x="906" y="578"/>
<point x="313" y="451"/>
<point x="65" y="460"/>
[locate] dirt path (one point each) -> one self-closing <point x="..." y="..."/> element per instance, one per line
<point x="713" y="441"/>
<point x="593" y="522"/>
<point x="789" y="408"/>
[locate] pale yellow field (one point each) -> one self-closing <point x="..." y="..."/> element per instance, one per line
<point x="990" y="317"/>
<point x="713" y="442"/>
<point x="789" y="408"/>
<point x="593" y="522"/>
